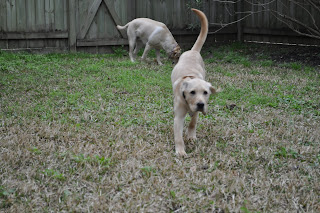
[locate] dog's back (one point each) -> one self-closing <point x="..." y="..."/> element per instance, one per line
<point x="190" y="64"/>
<point x="145" y="23"/>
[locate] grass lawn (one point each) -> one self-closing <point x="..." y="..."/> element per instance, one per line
<point x="94" y="133"/>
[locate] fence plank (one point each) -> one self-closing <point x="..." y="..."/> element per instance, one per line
<point x="3" y="23"/>
<point x="40" y="17"/>
<point x="101" y="20"/>
<point x="12" y="15"/>
<point x="32" y="35"/>
<point x="49" y="14"/>
<point x="65" y="15"/>
<point x="114" y="16"/>
<point x="101" y="42"/>
<point x="72" y="25"/>
<point x="31" y="15"/>
<point x="59" y="15"/>
<point x="21" y="16"/>
<point x="88" y="20"/>
<point x="240" y="23"/>
<point x="3" y="16"/>
<point x="131" y="11"/>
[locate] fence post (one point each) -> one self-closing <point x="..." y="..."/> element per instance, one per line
<point x="72" y="26"/>
<point x="239" y="23"/>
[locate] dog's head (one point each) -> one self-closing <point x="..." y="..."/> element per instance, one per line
<point x="196" y="93"/>
<point x="175" y="54"/>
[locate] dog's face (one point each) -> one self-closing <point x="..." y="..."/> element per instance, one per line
<point x="175" y="54"/>
<point x="196" y="93"/>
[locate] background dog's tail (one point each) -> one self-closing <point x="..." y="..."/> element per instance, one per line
<point x="122" y="27"/>
<point x="204" y="30"/>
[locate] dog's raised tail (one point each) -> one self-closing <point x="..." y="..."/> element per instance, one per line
<point x="204" y="30"/>
<point x="122" y="27"/>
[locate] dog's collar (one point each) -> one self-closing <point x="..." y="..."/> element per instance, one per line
<point x="188" y="76"/>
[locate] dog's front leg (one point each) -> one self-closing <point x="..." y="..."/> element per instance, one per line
<point x="138" y="46"/>
<point x="178" y="132"/>
<point x="191" y="134"/>
<point x="146" y="51"/>
<point x="158" y="56"/>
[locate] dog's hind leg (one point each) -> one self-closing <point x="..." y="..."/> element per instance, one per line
<point x="132" y="44"/>
<point x="191" y="133"/>
<point x="132" y="39"/>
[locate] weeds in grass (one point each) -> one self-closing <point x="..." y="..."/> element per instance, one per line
<point x="83" y="132"/>
<point x="120" y="51"/>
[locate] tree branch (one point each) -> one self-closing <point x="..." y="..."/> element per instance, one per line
<point x="313" y="33"/>
<point x="310" y="31"/>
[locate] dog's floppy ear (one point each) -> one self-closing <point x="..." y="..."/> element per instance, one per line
<point x="184" y="86"/>
<point x="213" y="90"/>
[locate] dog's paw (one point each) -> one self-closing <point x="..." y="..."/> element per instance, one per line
<point x="181" y="152"/>
<point x="191" y="135"/>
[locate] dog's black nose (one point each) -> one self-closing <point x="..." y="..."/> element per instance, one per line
<point x="200" y="106"/>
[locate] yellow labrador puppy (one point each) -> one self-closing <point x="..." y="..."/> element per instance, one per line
<point x="191" y="91"/>
<point x="152" y="34"/>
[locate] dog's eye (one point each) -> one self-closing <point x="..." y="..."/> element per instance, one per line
<point x="205" y="93"/>
<point x="193" y="92"/>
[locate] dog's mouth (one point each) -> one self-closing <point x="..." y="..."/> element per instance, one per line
<point x="203" y="111"/>
<point x="201" y="108"/>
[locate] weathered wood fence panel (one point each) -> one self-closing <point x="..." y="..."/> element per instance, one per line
<point x="90" y="25"/>
<point x="265" y="24"/>
<point x="33" y="24"/>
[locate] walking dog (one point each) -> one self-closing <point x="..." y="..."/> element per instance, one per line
<point x="191" y="91"/>
<point x="152" y="34"/>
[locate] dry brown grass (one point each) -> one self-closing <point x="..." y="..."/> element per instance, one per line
<point x="96" y="136"/>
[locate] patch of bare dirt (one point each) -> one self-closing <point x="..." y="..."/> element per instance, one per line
<point x="308" y="55"/>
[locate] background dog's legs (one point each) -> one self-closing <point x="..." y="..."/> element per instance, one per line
<point x="139" y="44"/>
<point x="131" y="48"/>
<point x="158" y="56"/>
<point x="191" y="134"/>
<point x="145" y="52"/>
<point x="132" y="39"/>
<point x="178" y="132"/>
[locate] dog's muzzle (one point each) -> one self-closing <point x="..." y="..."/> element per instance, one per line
<point x="200" y="108"/>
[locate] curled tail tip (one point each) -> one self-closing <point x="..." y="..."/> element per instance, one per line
<point x="203" y="32"/>
<point x="121" y="27"/>
<point x="197" y="11"/>
<point x="194" y="10"/>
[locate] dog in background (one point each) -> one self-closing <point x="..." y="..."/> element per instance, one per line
<point x="191" y="91"/>
<point x="152" y="34"/>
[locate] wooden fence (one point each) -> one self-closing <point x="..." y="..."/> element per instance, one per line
<point x="90" y="25"/>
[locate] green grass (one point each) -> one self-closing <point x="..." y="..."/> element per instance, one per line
<point x="82" y="132"/>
